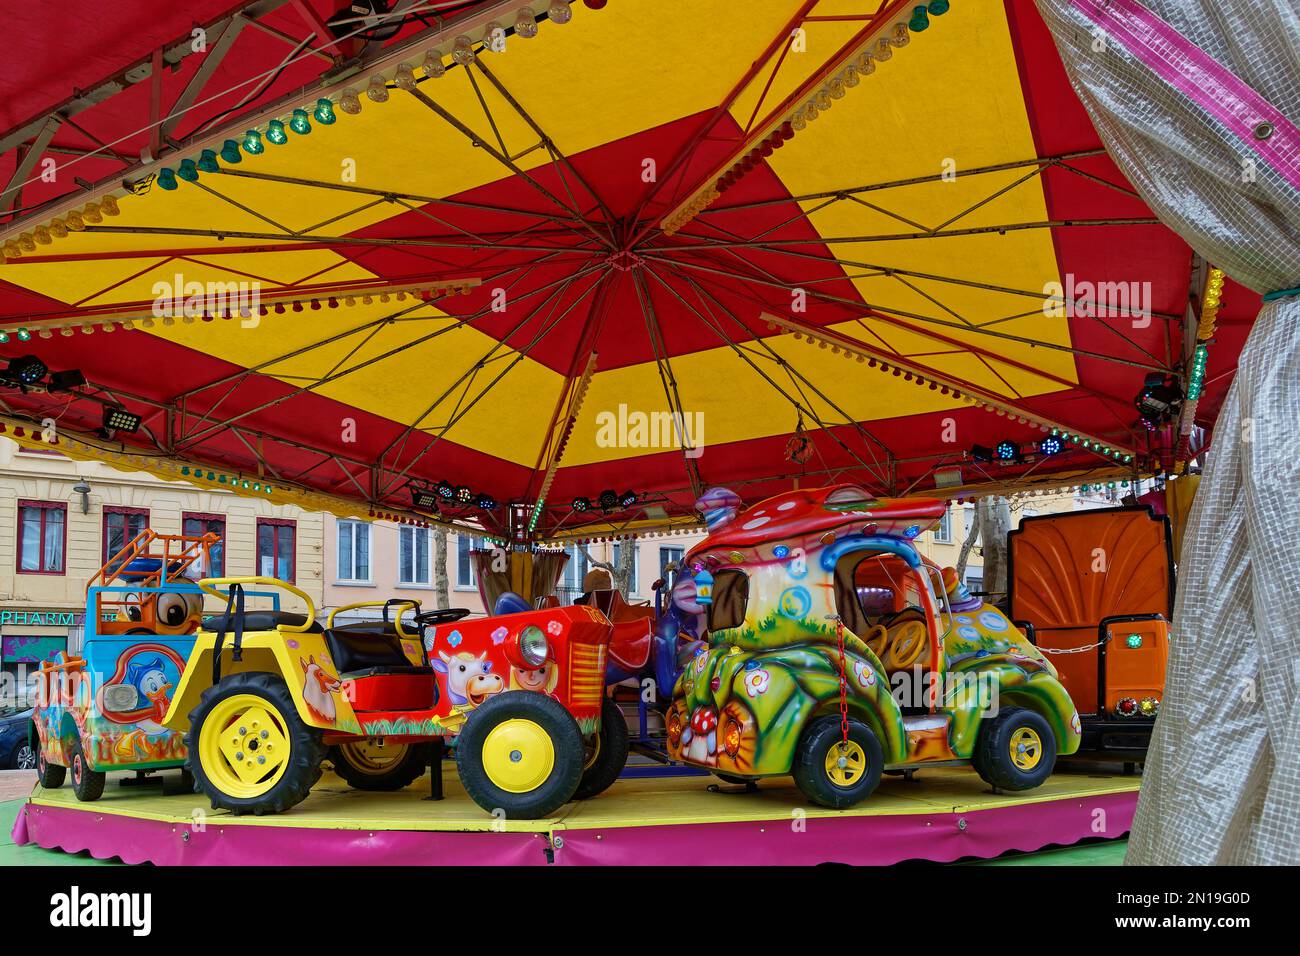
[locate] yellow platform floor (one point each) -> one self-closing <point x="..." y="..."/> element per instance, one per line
<point x="642" y="802"/>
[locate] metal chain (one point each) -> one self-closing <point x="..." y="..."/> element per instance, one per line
<point x="1072" y="650"/>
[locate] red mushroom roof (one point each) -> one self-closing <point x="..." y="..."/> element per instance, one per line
<point x="813" y="510"/>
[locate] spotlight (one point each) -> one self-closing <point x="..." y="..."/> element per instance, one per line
<point x="27" y="370"/>
<point x="628" y="499"/>
<point x="425" y="498"/>
<point x="446" y="490"/>
<point x="581" y="504"/>
<point x="118" y="419"/>
<point x="981" y="453"/>
<point x="66" y="381"/>
<point x="608" y="501"/>
<point x="1006" y="451"/>
<point x="464" y="495"/>
<point x="485" y="503"/>
<point x="1159" y="399"/>
<point x="1051" y="445"/>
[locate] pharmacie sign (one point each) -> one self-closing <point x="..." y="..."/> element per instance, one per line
<point x="39" y="618"/>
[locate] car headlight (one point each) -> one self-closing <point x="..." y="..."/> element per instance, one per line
<point x="533" y="647"/>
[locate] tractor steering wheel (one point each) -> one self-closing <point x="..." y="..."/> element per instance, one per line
<point x="440" y="616"/>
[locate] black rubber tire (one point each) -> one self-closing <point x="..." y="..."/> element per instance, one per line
<point x="809" y="768"/>
<point x="611" y="759"/>
<point x="87" y="784"/>
<point x="566" y="739"/>
<point x="992" y="756"/>
<point x="50" y="775"/>
<point x="306" y="748"/>
<point x="409" y="768"/>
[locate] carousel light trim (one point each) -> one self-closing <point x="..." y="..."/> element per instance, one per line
<point x="490" y="34"/>
<point x="844" y="76"/>
<point x="89" y="323"/>
<point x="910" y="372"/>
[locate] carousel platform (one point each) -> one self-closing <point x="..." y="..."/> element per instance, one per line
<point x="944" y="814"/>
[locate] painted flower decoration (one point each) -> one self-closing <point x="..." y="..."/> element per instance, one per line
<point x="499" y="635"/>
<point x="554" y="627"/>
<point x="865" y="674"/>
<point x="454" y="638"/>
<point x="756" y="682"/>
<point x="700" y="661"/>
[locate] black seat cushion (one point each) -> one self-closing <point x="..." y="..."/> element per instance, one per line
<point x="365" y="648"/>
<point x="259" y="621"/>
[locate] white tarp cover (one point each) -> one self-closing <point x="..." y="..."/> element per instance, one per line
<point x="1197" y="102"/>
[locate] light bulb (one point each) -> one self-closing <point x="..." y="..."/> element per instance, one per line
<point x="559" y="12"/>
<point x="405" y="77"/>
<point x="432" y="64"/>
<point x="866" y="64"/>
<point x="463" y="51"/>
<point x="494" y="37"/>
<point x="901" y="35"/>
<point x="350" y="103"/>
<point x="883" y="50"/>
<point x="377" y="91"/>
<point x="526" y="24"/>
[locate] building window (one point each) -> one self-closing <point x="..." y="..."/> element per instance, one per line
<point x="42" y="536"/>
<point x="943" y="533"/>
<point x="197" y="524"/>
<point x="120" y="526"/>
<point x="275" y="549"/>
<point x="414" y="567"/>
<point x="575" y="569"/>
<point x="669" y="556"/>
<point x="634" y="576"/>
<point x="354" y="552"/>
<point x="466" y="578"/>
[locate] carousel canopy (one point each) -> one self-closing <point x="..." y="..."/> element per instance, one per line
<point x="547" y="267"/>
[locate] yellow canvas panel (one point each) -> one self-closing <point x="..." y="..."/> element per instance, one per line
<point x="302" y="347"/>
<point x="169" y="279"/>
<point x="73" y="281"/>
<point x="289" y="267"/>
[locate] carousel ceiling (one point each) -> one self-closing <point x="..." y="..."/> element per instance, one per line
<point x="655" y="248"/>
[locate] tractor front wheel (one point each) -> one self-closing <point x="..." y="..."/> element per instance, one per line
<point x="520" y="753"/>
<point x="249" y="749"/>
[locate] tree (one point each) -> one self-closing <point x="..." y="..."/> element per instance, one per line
<point x="967" y="546"/>
<point x="441" y="586"/>
<point x="993" y="514"/>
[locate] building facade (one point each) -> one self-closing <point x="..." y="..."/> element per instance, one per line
<point x="61" y="520"/>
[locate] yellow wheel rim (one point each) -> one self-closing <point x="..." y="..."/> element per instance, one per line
<point x="372" y="759"/>
<point x="243" y="746"/>
<point x="845" y="763"/>
<point x="518" y="755"/>
<point x="1026" y="748"/>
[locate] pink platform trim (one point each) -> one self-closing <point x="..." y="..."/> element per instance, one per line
<point x="858" y="840"/>
<point x="1202" y="79"/>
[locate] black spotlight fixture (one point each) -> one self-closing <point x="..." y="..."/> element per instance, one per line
<point x="425" y="498"/>
<point x="66" y="381"/>
<point x="608" y="500"/>
<point x="1006" y="451"/>
<point x="1159" y="399"/>
<point x="463" y="494"/>
<point x="1051" y="445"/>
<point x="581" y="504"/>
<point x="485" y="502"/>
<point x="118" y="419"/>
<point x="446" y="490"/>
<point x="982" y="453"/>
<point x="627" y="499"/>
<point x="25" y="370"/>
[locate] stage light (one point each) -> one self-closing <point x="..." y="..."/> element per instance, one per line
<point x="118" y="419"/>
<point x="1159" y="399"/>
<point x="1051" y="445"/>
<point x="485" y="503"/>
<point x="425" y="498"/>
<point x="463" y="494"/>
<point x="581" y="504"/>
<point x="628" y="499"/>
<point x="253" y="144"/>
<point x="300" y="122"/>
<point x="26" y="370"/>
<point x="446" y="490"/>
<point x="275" y="133"/>
<point x="1006" y="451"/>
<point x="66" y="381"/>
<point x="981" y="453"/>
<point x="608" y="500"/>
<point x="324" y="112"/>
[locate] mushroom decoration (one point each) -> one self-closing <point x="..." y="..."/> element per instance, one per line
<point x="701" y="739"/>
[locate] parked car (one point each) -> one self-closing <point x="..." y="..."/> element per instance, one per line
<point x="16" y="751"/>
